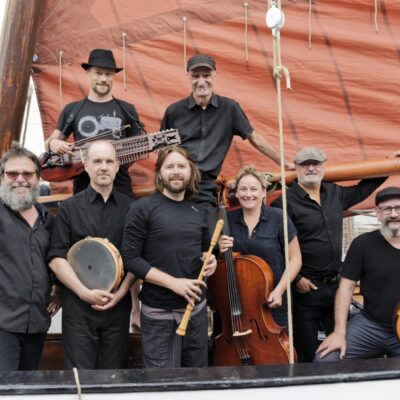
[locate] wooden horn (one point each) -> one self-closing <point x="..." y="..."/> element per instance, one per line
<point x="349" y="171"/>
<point x="181" y="330"/>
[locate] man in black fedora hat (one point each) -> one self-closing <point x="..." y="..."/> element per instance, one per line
<point x="95" y="114"/>
<point x="207" y="123"/>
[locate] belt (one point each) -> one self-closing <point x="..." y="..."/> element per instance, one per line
<point x="328" y="279"/>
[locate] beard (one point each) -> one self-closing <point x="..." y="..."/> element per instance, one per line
<point x="386" y="231"/>
<point x="102" y="90"/>
<point x="18" y="202"/>
<point x="310" y="180"/>
<point x="175" y="189"/>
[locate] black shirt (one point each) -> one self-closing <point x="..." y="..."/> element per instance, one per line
<point x="86" y="214"/>
<point x="266" y="240"/>
<point x="91" y="119"/>
<point x="374" y="262"/>
<point x="207" y="134"/>
<point x="320" y="228"/>
<point x="166" y="234"/>
<point x="24" y="275"/>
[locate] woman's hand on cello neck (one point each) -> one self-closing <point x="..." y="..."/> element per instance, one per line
<point x="225" y="243"/>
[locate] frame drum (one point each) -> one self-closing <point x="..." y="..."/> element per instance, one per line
<point x="97" y="263"/>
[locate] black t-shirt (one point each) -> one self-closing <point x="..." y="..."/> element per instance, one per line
<point x="207" y="134"/>
<point x="374" y="262"/>
<point x="168" y="235"/>
<point x="92" y="119"/>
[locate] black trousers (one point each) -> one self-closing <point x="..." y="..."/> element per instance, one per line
<point x="20" y="351"/>
<point x="311" y="311"/>
<point x="95" y="339"/>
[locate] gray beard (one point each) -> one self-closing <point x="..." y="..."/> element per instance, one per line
<point x="17" y="202"/>
<point x="388" y="233"/>
<point x="310" y="183"/>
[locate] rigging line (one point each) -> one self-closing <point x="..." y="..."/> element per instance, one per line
<point x="184" y="19"/>
<point x="60" y="92"/>
<point x="55" y="8"/>
<point x="309" y="23"/>
<point x="278" y="69"/>
<point x="246" y="17"/>
<point x="77" y="383"/>
<point x="124" y="58"/>
<point x="376" y="16"/>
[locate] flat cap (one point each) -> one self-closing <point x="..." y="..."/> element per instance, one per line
<point x="391" y="192"/>
<point x="309" y="153"/>
<point x="201" y="60"/>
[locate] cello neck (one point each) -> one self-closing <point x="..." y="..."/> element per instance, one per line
<point x="234" y="297"/>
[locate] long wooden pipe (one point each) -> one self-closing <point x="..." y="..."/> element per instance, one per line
<point x="334" y="172"/>
<point x="350" y="171"/>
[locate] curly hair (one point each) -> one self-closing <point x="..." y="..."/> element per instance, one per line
<point x="16" y="150"/>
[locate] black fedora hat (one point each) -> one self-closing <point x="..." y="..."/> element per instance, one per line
<point x="101" y="58"/>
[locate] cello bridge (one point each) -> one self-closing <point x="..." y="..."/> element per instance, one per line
<point x="236" y="333"/>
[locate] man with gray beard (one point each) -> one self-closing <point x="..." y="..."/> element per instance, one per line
<point x="374" y="260"/>
<point x="26" y="301"/>
<point x="316" y="209"/>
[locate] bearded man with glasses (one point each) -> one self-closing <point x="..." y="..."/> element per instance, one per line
<point x="27" y="300"/>
<point x="374" y="260"/>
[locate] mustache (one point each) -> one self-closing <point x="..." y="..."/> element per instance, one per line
<point x="175" y="177"/>
<point x="24" y="185"/>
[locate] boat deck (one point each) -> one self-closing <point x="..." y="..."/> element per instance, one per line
<point x="192" y="379"/>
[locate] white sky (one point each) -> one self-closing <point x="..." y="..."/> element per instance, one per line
<point x="34" y="135"/>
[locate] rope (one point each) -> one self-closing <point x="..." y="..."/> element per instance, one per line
<point x="77" y="383"/>
<point x="278" y="69"/>
<point x="376" y="16"/>
<point x="309" y="23"/>
<point x="60" y="92"/>
<point x="184" y="19"/>
<point x="124" y="58"/>
<point x="246" y="17"/>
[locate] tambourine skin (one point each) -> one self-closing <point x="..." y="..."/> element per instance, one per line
<point x="97" y="263"/>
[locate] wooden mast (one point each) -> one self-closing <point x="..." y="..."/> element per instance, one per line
<point x="21" y="23"/>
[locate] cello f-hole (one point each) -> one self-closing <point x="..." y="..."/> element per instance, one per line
<point x="261" y="337"/>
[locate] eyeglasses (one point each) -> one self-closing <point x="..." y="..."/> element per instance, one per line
<point x="388" y="210"/>
<point x="27" y="175"/>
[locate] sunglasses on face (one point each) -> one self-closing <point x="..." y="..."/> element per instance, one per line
<point x="13" y="175"/>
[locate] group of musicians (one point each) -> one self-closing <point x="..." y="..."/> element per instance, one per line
<point x="164" y="238"/>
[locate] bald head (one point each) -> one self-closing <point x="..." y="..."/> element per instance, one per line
<point x="101" y="165"/>
<point x="102" y="146"/>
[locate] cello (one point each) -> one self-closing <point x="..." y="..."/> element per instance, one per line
<point x="239" y="290"/>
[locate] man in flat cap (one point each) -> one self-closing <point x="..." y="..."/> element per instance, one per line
<point x="374" y="260"/>
<point x="207" y="123"/>
<point x="95" y="114"/>
<point x="316" y="209"/>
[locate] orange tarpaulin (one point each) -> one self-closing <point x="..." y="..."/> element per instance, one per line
<point x="345" y="88"/>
